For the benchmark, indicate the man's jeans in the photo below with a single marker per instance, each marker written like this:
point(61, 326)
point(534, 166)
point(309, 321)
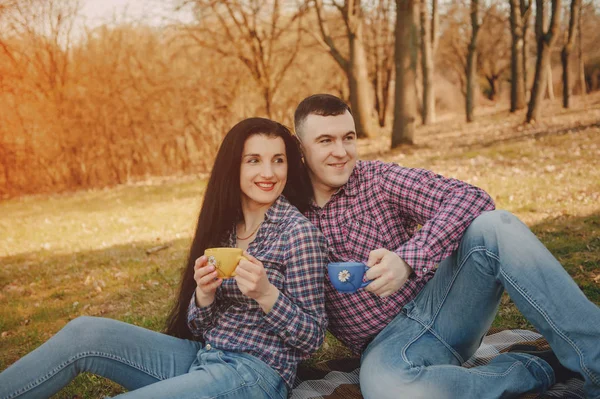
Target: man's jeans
point(418, 355)
point(147, 363)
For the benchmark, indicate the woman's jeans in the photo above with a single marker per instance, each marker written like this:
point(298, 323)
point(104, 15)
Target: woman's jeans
point(147, 363)
point(418, 355)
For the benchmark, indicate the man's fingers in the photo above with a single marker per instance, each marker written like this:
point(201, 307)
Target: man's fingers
point(375, 256)
point(375, 271)
point(376, 286)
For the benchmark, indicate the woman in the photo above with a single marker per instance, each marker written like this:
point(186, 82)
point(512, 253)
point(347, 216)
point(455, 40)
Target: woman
point(241, 337)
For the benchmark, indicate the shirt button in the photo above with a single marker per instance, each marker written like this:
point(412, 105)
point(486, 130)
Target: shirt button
point(208, 347)
point(424, 270)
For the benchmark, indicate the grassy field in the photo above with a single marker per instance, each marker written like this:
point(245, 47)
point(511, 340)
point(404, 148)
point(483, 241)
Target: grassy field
point(85, 253)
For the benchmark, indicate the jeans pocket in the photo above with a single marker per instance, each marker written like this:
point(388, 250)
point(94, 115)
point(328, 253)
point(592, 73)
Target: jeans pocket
point(246, 374)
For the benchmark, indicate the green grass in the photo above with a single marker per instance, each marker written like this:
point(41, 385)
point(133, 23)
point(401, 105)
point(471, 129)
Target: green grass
point(84, 253)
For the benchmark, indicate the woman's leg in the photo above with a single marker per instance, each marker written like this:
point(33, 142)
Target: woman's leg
point(129, 355)
point(218, 374)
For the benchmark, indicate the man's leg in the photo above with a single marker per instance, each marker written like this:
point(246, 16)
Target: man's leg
point(129, 355)
point(452, 313)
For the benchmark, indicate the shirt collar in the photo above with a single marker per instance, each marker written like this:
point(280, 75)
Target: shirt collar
point(276, 213)
point(351, 187)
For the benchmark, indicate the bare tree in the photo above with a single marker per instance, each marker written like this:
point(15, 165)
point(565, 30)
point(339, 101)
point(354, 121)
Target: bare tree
point(519, 17)
point(566, 51)
point(405, 109)
point(429, 43)
point(545, 40)
point(472, 60)
point(354, 64)
point(493, 46)
point(256, 32)
point(381, 49)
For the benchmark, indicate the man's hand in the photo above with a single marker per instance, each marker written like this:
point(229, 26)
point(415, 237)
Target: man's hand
point(252, 280)
point(388, 271)
point(206, 282)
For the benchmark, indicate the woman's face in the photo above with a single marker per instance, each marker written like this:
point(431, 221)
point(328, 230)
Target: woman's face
point(263, 173)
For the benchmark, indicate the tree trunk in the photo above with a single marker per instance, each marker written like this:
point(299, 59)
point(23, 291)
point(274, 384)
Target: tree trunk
point(582, 83)
point(517, 82)
point(472, 61)
point(550, 85)
point(545, 40)
point(405, 109)
point(427, 66)
point(359, 85)
point(525, 13)
point(493, 82)
point(566, 51)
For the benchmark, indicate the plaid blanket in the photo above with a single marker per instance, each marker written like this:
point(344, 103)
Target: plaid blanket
point(338, 379)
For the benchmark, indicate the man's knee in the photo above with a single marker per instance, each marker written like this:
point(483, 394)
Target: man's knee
point(385, 377)
point(494, 224)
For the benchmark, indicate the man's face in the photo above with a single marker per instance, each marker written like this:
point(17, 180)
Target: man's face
point(329, 144)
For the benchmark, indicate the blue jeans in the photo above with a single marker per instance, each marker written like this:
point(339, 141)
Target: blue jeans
point(149, 364)
point(419, 354)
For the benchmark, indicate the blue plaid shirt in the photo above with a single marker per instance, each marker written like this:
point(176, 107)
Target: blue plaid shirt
point(294, 253)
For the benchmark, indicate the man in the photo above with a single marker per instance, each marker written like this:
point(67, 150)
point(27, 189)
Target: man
point(440, 257)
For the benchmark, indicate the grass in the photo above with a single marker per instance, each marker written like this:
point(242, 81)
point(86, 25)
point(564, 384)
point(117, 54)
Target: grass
point(84, 253)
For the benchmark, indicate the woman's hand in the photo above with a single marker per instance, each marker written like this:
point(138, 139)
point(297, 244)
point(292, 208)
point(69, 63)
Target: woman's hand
point(206, 282)
point(252, 280)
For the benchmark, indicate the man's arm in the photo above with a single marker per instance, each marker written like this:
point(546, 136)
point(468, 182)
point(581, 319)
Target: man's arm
point(443, 207)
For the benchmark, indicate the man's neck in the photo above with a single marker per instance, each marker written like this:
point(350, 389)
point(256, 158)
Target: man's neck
point(323, 194)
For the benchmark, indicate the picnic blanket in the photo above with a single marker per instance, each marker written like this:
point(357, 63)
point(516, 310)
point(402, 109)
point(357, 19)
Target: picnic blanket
point(338, 378)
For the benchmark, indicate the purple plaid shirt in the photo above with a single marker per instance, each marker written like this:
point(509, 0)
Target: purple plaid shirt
point(294, 253)
point(382, 206)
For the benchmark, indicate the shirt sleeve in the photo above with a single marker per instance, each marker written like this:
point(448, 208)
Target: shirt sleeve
point(443, 207)
point(200, 319)
point(298, 315)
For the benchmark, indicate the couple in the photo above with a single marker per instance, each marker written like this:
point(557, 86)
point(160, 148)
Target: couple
point(434, 294)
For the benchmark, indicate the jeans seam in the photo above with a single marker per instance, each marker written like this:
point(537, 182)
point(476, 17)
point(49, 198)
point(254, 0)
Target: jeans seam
point(446, 293)
point(72, 360)
point(488, 374)
point(551, 380)
point(409, 343)
point(548, 320)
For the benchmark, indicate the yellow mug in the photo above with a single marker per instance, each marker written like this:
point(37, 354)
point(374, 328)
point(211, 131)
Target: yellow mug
point(225, 260)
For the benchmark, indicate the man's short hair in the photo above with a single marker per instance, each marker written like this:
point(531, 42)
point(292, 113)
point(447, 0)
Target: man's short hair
point(318, 104)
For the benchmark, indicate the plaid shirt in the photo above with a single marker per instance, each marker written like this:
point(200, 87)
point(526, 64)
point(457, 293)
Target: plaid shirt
point(382, 206)
point(294, 253)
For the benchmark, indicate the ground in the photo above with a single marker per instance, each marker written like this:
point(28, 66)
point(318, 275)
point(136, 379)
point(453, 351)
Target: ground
point(98, 252)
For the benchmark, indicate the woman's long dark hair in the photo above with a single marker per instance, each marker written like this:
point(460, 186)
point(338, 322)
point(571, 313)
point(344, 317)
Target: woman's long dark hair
point(221, 207)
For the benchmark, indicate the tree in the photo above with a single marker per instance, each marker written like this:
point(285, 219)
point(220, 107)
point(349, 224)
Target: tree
point(519, 18)
point(354, 64)
point(472, 60)
point(545, 40)
point(493, 47)
point(566, 51)
point(405, 58)
point(256, 32)
point(381, 49)
point(429, 43)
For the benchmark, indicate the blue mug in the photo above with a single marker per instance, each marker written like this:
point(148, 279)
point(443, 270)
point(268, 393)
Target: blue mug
point(347, 276)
